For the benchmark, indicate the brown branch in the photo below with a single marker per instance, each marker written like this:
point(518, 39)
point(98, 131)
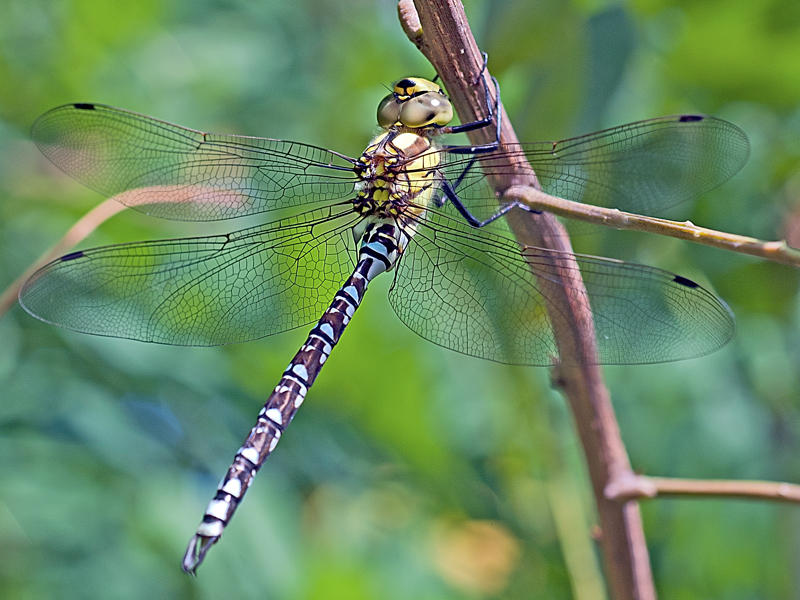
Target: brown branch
point(444, 37)
point(778, 252)
point(82, 228)
point(643, 488)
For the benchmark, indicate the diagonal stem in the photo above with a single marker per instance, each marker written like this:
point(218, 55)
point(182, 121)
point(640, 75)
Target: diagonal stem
point(779, 252)
point(642, 487)
point(82, 228)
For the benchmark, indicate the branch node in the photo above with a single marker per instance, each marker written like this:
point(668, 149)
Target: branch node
point(629, 486)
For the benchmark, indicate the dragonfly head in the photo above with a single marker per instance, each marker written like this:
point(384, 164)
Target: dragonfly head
point(415, 103)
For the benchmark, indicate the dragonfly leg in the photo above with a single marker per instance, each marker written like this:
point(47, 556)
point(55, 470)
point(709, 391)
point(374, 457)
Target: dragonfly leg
point(487, 120)
point(493, 109)
point(483, 68)
point(451, 194)
point(442, 194)
point(448, 191)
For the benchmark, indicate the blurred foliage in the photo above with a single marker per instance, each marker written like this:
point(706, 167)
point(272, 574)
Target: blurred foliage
point(411, 472)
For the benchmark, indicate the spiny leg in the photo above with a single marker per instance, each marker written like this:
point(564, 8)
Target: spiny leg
point(451, 195)
point(448, 189)
point(449, 192)
point(493, 110)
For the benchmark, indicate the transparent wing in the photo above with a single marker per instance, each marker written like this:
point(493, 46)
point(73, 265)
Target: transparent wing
point(641, 167)
point(473, 292)
point(177, 173)
point(200, 291)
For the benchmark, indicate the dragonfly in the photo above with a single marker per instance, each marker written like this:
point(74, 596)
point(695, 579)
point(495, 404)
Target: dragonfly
point(409, 205)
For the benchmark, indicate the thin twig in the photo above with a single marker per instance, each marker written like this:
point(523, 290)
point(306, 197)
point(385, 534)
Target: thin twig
point(642, 487)
point(778, 252)
point(444, 37)
point(82, 228)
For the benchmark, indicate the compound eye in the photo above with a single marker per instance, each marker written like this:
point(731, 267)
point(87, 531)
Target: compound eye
point(389, 111)
point(429, 108)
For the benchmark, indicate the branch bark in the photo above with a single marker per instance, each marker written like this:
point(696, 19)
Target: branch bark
point(643, 488)
point(779, 251)
point(443, 35)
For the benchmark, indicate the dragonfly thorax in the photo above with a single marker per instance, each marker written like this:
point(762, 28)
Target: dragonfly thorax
point(398, 175)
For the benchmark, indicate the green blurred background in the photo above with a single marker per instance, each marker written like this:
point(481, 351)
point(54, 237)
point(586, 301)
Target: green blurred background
point(411, 471)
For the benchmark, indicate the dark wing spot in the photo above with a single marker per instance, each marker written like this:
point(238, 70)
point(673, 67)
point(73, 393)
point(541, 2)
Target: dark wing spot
point(691, 118)
point(82, 106)
point(683, 281)
point(71, 256)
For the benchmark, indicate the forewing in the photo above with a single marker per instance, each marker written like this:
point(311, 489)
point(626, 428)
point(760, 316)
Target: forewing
point(200, 291)
point(641, 167)
point(473, 292)
point(177, 173)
